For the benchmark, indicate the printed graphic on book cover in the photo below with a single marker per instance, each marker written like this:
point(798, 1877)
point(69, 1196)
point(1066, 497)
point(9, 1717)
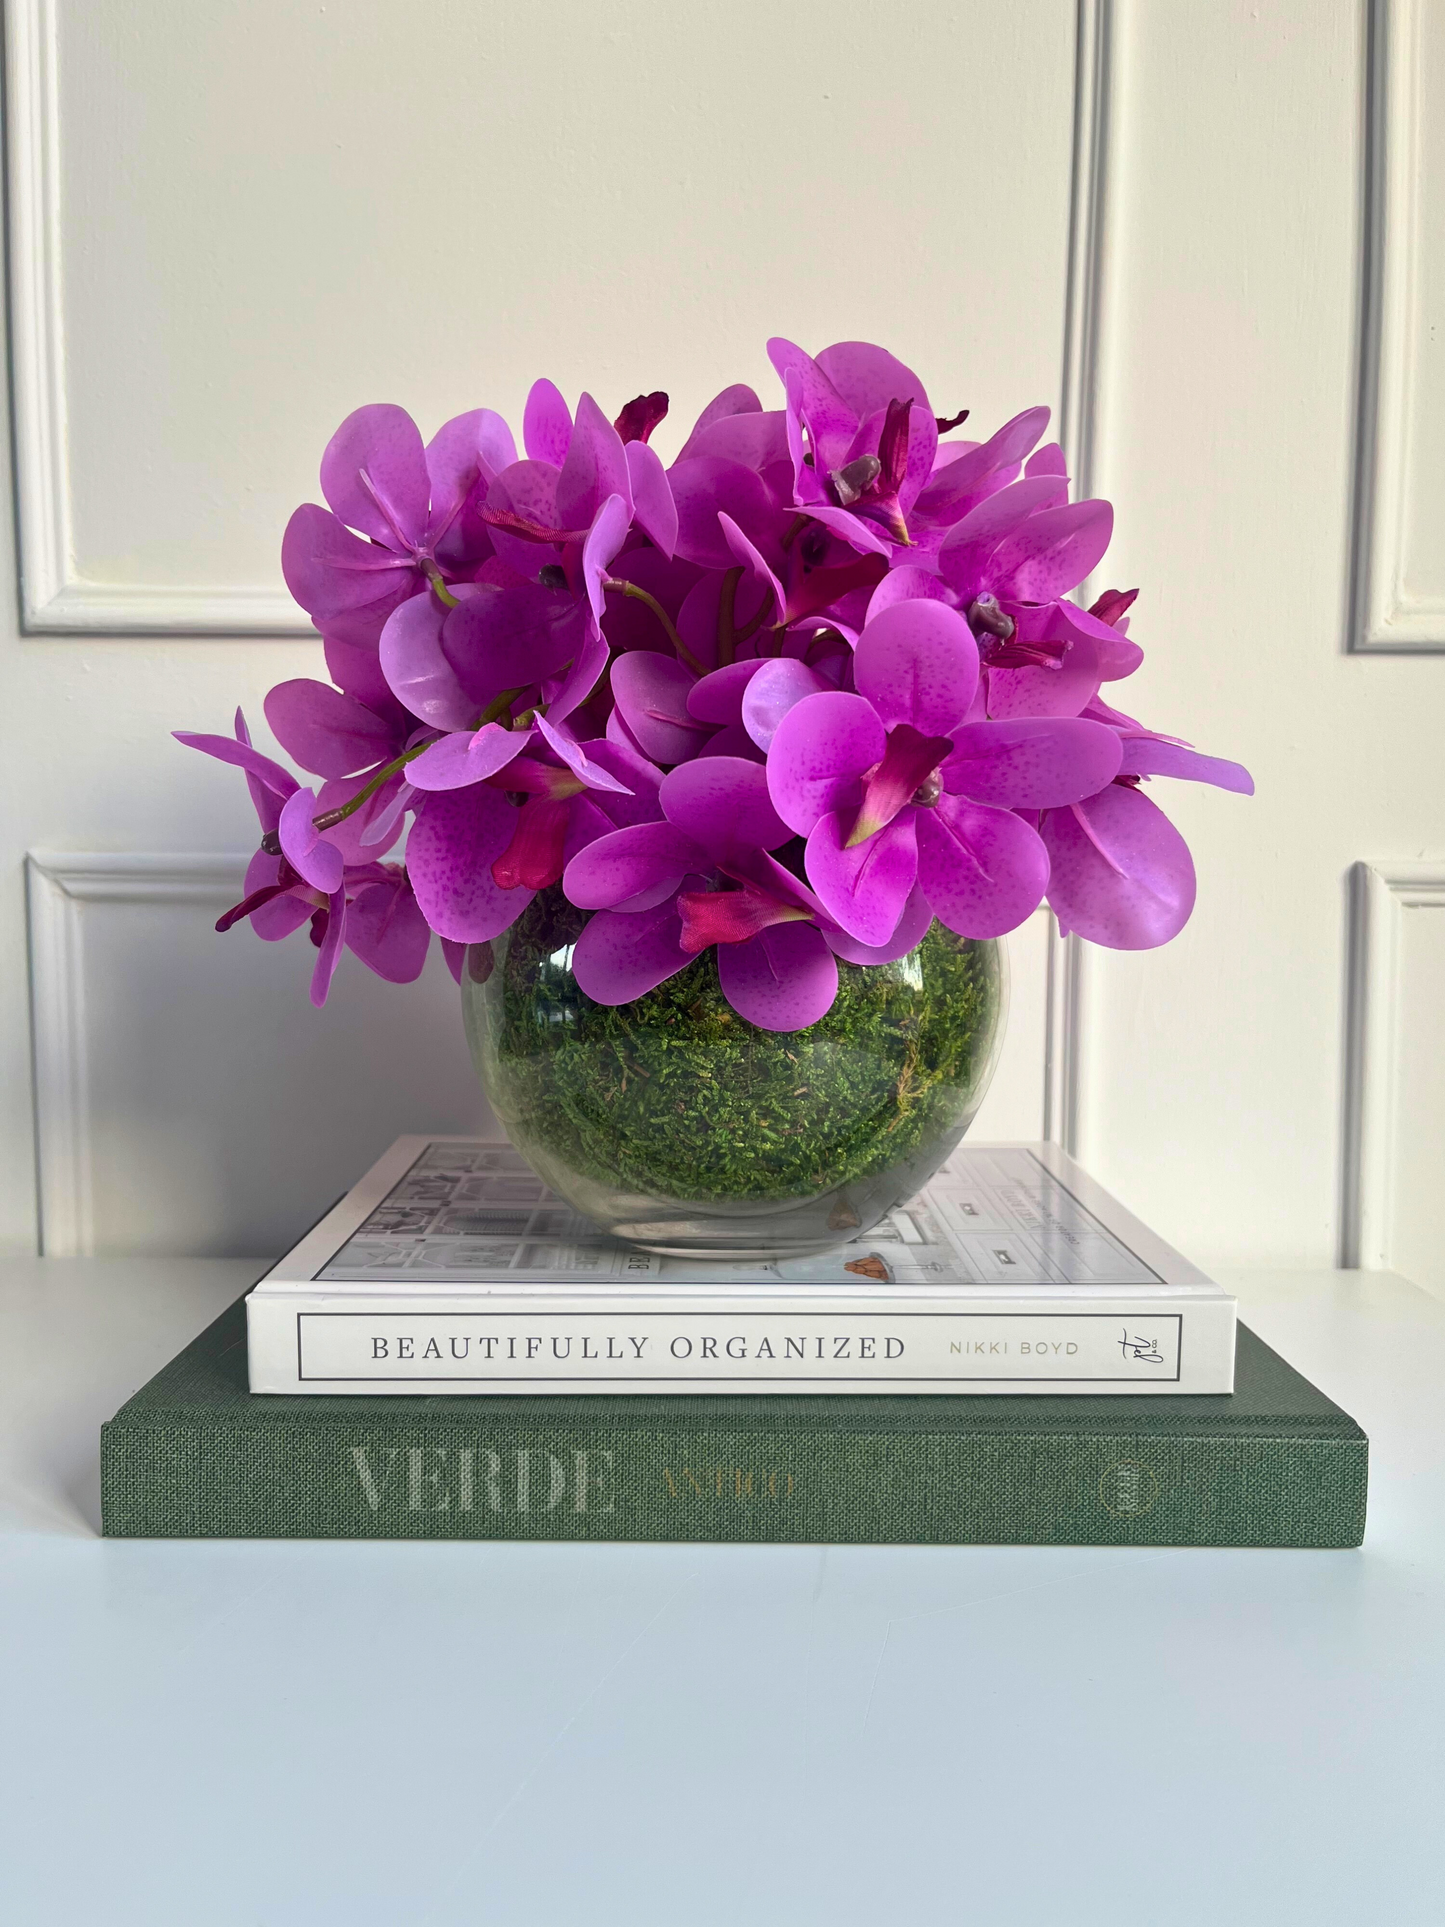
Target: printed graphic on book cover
point(469, 1211)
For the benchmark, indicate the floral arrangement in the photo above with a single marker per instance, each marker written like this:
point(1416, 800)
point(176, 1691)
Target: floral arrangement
point(816, 684)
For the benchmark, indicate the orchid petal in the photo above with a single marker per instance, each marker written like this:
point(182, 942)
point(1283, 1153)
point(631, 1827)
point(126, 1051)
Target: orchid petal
point(304, 848)
point(1121, 873)
point(546, 424)
point(818, 757)
point(757, 439)
point(582, 678)
point(1053, 551)
point(906, 584)
point(327, 732)
point(356, 671)
point(718, 698)
point(722, 803)
point(416, 667)
point(383, 827)
point(764, 579)
point(620, 957)
point(1152, 756)
point(964, 558)
point(950, 490)
point(864, 889)
point(983, 870)
point(509, 638)
point(454, 841)
point(527, 489)
point(812, 399)
point(1031, 764)
point(917, 663)
point(596, 467)
point(342, 582)
point(868, 378)
point(376, 819)
point(780, 685)
point(276, 919)
point(454, 762)
point(737, 400)
point(629, 862)
point(634, 797)
point(386, 929)
point(605, 537)
point(651, 694)
point(732, 740)
point(477, 444)
point(564, 744)
point(701, 488)
point(1050, 460)
point(279, 782)
point(913, 926)
point(329, 954)
point(586, 822)
point(382, 444)
point(653, 506)
point(784, 979)
point(860, 534)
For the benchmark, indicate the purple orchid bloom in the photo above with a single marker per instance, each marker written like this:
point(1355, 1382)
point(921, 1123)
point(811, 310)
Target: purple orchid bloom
point(666, 891)
point(892, 787)
point(862, 437)
point(314, 874)
point(1121, 874)
point(396, 515)
point(822, 680)
point(576, 793)
point(645, 881)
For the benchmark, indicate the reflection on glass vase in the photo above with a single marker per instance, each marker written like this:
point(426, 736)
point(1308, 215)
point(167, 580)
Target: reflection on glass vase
point(676, 1124)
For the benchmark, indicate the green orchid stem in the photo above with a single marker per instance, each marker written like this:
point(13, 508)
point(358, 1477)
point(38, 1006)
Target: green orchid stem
point(499, 709)
point(439, 587)
point(727, 602)
point(751, 628)
point(618, 587)
point(328, 819)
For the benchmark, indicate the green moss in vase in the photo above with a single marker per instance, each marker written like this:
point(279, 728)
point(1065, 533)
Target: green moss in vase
point(678, 1097)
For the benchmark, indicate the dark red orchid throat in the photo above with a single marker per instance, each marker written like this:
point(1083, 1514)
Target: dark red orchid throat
point(999, 644)
point(1112, 604)
point(732, 916)
point(535, 857)
point(870, 483)
point(641, 416)
point(908, 774)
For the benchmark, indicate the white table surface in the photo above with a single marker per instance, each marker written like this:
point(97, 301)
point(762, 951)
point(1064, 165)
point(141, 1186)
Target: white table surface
point(269, 1733)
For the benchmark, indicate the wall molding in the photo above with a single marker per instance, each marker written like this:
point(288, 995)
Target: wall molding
point(54, 598)
point(58, 886)
point(1078, 417)
point(1383, 617)
point(1380, 896)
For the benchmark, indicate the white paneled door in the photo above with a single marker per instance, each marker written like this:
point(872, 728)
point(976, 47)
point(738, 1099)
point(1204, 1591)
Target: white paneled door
point(1203, 232)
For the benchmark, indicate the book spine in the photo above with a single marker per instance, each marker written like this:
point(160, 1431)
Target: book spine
point(432, 1478)
point(650, 1348)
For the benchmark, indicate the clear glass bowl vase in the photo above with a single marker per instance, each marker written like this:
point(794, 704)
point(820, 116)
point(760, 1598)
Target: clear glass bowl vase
point(677, 1125)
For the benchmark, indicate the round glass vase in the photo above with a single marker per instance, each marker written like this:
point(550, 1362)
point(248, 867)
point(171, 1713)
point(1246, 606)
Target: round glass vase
point(674, 1123)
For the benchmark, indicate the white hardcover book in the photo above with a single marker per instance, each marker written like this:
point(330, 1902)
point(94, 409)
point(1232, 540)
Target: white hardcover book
point(451, 1268)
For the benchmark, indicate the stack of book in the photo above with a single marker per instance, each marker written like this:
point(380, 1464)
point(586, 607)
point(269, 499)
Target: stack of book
point(1011, 1358)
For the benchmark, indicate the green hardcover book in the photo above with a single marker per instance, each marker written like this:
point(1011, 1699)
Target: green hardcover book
point(195, 1455)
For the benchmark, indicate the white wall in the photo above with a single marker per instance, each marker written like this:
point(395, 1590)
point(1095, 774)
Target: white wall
point(230, 226)
point(1218, 1096)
